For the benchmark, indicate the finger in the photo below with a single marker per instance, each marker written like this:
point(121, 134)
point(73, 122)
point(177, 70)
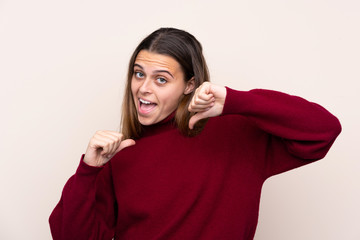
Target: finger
point(115, 136)
point(97, 143)
point(205, 88)
point(204, 93)
point(199, 104)
point(115, 144)
point(200, 108)
point(124, 144)
point(108, 149)
point(198, 101)
point(112, 141)
point(112, 148)
point(194, 119)
point(105, 150)
point(104, 142)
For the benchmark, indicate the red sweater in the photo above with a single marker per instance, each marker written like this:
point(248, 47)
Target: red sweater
point(169, 186)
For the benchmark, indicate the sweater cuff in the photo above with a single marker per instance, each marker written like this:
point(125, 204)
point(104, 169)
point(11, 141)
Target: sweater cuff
point(84, 169)
point(236, 101)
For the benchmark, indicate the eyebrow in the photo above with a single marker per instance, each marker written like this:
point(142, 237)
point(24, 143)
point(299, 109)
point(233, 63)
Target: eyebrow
point(157, 71)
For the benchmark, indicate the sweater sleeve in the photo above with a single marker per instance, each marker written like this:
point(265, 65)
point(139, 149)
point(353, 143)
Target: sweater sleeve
point(87, 206)
point(299, 130)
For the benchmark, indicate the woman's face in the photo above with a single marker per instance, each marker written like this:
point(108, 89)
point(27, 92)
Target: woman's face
point(157, 86)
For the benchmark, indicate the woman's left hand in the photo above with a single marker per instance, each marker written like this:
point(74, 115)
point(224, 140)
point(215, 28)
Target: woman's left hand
point(208, 101)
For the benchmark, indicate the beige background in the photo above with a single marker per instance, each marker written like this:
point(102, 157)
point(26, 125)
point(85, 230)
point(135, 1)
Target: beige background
point(62, 71)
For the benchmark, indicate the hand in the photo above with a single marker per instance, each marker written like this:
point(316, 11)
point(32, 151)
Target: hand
point(103, 146)
point(208, 101)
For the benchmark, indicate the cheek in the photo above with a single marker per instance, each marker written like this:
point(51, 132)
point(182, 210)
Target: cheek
point(133, 87)
point(172, 98)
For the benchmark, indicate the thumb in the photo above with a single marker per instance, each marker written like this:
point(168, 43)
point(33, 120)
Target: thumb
point(197, 117)
point(124, 144)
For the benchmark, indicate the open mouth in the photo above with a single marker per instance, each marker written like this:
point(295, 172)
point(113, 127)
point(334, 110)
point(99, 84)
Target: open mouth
point(146, 106)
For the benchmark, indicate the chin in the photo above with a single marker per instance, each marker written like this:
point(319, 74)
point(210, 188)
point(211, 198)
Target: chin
point(146, 122)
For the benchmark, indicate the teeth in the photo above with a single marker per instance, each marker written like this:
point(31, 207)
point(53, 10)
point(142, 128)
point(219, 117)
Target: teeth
point(143, 101)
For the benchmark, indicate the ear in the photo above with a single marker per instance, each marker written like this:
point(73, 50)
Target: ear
point(190, 85)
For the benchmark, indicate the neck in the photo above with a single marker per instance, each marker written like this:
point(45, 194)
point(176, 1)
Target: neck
point(168, 122)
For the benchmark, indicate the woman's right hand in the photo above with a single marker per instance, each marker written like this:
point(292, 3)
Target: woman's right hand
point(103, 146)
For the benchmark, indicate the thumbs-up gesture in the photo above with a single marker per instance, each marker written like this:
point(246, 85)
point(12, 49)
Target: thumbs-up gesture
point(103, 146)
point(208, 101)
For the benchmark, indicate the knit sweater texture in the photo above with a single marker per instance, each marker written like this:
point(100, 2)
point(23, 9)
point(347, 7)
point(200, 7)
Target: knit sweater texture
point(172, 187)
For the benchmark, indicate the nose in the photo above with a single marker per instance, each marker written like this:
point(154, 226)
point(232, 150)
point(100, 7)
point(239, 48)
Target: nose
point(145, 86)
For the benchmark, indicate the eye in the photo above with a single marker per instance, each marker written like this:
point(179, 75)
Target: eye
point(161, 80)
point(139, 74)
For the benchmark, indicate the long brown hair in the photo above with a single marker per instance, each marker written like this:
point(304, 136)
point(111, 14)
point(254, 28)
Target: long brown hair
point(187, 51)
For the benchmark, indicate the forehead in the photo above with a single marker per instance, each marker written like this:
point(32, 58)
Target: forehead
point(151, 59)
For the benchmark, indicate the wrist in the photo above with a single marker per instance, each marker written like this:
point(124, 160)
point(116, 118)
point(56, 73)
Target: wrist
point(90, 163)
